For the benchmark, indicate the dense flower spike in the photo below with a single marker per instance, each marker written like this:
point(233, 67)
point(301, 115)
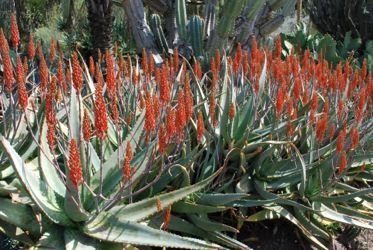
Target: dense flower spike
point(87, 129)
point(188, 99)
point(127, 173)
point(170, 123)
point(110, 76)
point(355, 138)
point(200, 127)
point(14, 33)
point(149, 114)
point(91, 66)
point(342, 162)
point(164, 88)
point(52, 50)
point(232, 111)
point(101, 119)
point(162, 139)
point(30, 48)
point(21, 81)
point(341, 139)
point(77, 75)
point(180, 114)
point(197, 70)
point(75, 169)
point(280, 102)
point(61, 76)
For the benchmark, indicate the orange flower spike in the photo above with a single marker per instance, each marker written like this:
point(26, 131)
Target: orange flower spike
point(77, 75)
point(212, 108)
point(321, 126)
point(164, 88)
point(355, 138)
point(87, 127)
point(156, 107)
point(232, 111)
point(101, 119)
point(198, 70)
point(342, 162)
point(245, 64)
point(331, 132)
point(91, 66)
point(22, 93)
point(14, 33)
point(297, 88)
point(30, 48)
point(61, 76)
point(51, 136)
point(280, 101)
point(25, 66)
point(340, 109)
point(110, 76)
point(162, 140)
point(200, 127)
point(341, 139)
point(170, 122)
point(44, 73)
point(3, 42)
point(166, 218)
point(364, 70)
point(180, 114)
point(278, 47)
point(149, 115)
point(127, 163)
point(75, 169)
point(176, 59)
point(115, 112)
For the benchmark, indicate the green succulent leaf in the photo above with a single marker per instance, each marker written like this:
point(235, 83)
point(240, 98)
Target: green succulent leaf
point(116, 229)
point(37, 188)
point(76, 240)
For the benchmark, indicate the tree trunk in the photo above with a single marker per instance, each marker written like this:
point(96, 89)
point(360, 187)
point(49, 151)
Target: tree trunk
point(140, 30)
point(100, 20)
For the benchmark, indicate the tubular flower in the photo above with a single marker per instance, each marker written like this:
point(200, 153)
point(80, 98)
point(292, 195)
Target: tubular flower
point(321, 126)
point(51, 136)
point(14, 33)
point(127, 163)
point(212, 108)
point(101, 119)
point(278, 48)
point(176, 59)
point(149, 114)
point(4, 47)
point(87, 129)
point(342, 162)
point(164, 88)
point(61, 76)
point(331, 132)
point(232, 111)
point(30, 48)
point(91, 66)
point(280, 101)
point(162, 139)
point(75, 168)
point(355, 138)
point(77, 75)
point(166, 218)
point(197, 70)
point(156, 107)
point(22, 93)
point(297, 88)
point(170, 123)
point(44, 73)
point(200, 127)
point(110, 75)
point(341, 139)
point(115, 112)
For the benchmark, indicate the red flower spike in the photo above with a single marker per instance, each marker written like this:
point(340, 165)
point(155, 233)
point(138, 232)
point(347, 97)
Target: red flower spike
point(321, 126)
point(110, 76)
point(278, 47)
point(289, 129)
point(91, 66)
point(8, 67)
point(22, 93)
point(61, 76)
point(162, 139)
point(77, 75)
point(44, 73)
point(75, 169)
point(170, 123)
point(364, 70)
point(149, 114)
point(341, 139)
point(200, 127)
point(164, 88)
point(4, 48)
point(188, 99)
point(218, 60)
point(51, 136)
point(156, 107)
point(341, 109)
point(355, 138)
point(101, 119)
point(331, 132)
point(39, 50)
point(87, 128)
point(212, 108)
point(14, 33)
point(232, 111)
point(180, 114)
point(176, 59)
point(197, 70)
point(166, 218)
point(342, 162)
point(280, 101)
point(127, 163)
point(297, 88)
point(30, 48)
